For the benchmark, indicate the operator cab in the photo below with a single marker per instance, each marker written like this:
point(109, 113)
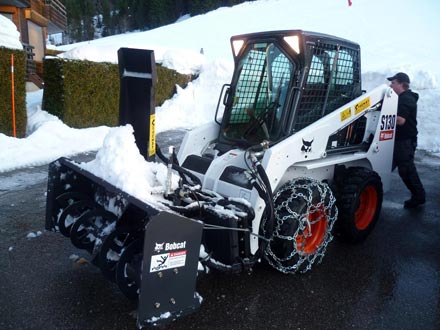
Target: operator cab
point(283, 81)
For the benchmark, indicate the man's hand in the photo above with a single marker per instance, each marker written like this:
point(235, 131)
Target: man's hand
point(400, 121)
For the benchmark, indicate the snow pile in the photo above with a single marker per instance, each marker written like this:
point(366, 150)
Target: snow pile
point(9, 36)
point(50, 139)
point(120, 163)
point(181, 60)
point(196, 104)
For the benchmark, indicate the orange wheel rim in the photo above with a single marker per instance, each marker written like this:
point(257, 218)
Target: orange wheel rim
point(311, 239)
point(367, 208)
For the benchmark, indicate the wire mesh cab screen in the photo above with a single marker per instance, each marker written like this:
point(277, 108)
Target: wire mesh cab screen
point(332, 81)
point(260, 94)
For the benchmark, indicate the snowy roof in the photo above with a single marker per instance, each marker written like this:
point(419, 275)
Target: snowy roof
point(9, 36)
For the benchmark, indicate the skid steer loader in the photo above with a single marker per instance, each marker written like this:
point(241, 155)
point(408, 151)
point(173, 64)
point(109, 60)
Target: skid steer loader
point(297, 153)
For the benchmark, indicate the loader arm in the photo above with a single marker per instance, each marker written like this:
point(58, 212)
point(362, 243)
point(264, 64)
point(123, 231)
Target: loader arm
point(374, 150)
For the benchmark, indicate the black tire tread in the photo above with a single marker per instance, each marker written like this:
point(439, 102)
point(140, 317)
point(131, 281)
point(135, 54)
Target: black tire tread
point(347, 193)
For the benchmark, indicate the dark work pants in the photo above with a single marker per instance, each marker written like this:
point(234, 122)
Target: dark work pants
point(404, 160)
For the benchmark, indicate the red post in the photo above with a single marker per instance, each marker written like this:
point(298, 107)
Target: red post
point(13, 96)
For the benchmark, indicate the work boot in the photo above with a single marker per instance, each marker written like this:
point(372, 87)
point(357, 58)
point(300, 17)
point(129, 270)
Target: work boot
point(413, 203)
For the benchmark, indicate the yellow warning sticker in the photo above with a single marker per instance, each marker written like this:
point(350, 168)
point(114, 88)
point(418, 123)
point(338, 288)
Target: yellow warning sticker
point(362, 105)
point(345, 114)
point(152, 143)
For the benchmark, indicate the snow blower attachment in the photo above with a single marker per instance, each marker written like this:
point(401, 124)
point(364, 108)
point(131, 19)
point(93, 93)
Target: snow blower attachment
point(296, 153)
point(151, 254)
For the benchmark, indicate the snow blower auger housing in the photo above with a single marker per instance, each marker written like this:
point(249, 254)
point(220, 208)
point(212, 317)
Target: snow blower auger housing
point(296, 153)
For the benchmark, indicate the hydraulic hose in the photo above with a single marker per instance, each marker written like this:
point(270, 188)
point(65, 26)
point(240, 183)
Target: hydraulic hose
point(268, 199)
point(264, 190)
point(183, 172)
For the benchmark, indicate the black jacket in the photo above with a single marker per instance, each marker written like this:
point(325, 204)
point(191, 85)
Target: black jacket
point(407, 108)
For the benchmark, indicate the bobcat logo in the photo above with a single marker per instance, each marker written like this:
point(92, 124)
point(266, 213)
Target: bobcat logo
point(307, 146)
point(158, 247)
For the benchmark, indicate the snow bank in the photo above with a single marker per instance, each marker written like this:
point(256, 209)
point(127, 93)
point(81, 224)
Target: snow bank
point(9, 36)
point(48, 139)
point(196, 104)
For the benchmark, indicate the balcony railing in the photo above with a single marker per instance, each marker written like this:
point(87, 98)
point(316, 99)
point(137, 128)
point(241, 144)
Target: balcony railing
point(55, 12)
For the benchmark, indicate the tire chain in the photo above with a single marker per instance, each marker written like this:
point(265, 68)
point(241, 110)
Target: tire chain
point(301, 188)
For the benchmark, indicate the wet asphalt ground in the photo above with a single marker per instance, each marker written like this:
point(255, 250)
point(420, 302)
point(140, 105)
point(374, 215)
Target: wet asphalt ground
point(391, 281)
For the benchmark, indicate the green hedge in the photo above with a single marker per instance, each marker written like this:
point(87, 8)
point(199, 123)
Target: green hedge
point(6, 93)
point(86, 94)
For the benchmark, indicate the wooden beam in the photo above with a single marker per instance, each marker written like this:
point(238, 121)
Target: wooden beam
point(33, 16)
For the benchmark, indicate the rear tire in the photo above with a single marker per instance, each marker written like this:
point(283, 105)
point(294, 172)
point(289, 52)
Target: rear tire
point(359, 201)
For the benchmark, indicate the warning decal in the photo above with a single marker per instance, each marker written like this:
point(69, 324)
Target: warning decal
point(165, 261)
point(346, 114)
point(362, 105)
point(152, 140)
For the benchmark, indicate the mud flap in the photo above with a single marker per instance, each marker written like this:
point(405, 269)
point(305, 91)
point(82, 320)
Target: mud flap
point(169, 269)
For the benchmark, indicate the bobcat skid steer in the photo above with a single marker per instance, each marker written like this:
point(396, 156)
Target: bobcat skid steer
point(296, 153)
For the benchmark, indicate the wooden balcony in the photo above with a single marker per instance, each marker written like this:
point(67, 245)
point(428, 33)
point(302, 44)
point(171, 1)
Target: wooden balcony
point(52, 10)
point(55, 12)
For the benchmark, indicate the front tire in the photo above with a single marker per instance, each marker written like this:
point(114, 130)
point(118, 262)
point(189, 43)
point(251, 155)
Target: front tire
point(359, 201)
point(305, 212)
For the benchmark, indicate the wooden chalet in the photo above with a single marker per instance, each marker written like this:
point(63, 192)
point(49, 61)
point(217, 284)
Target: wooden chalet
point(35, 20)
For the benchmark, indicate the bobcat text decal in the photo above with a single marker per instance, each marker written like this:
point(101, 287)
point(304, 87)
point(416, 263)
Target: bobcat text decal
point(174, 256)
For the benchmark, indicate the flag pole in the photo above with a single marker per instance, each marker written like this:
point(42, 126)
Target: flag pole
point(13, 96)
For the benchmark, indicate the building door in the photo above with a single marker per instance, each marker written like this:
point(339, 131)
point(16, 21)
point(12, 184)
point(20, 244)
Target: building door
point(36, 39)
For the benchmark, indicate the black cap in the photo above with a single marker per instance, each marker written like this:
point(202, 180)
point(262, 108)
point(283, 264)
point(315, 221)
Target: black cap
point(400, 77)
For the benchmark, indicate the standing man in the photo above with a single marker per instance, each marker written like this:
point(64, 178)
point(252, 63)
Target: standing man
point(406, 139)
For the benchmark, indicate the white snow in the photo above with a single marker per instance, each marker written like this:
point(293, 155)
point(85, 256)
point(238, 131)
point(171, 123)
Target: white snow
point(394, 35)
point(162, 316)
point(33, 235)
point(119, 162)
point(74, 257)
point(9, 36)
point(48, 139)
